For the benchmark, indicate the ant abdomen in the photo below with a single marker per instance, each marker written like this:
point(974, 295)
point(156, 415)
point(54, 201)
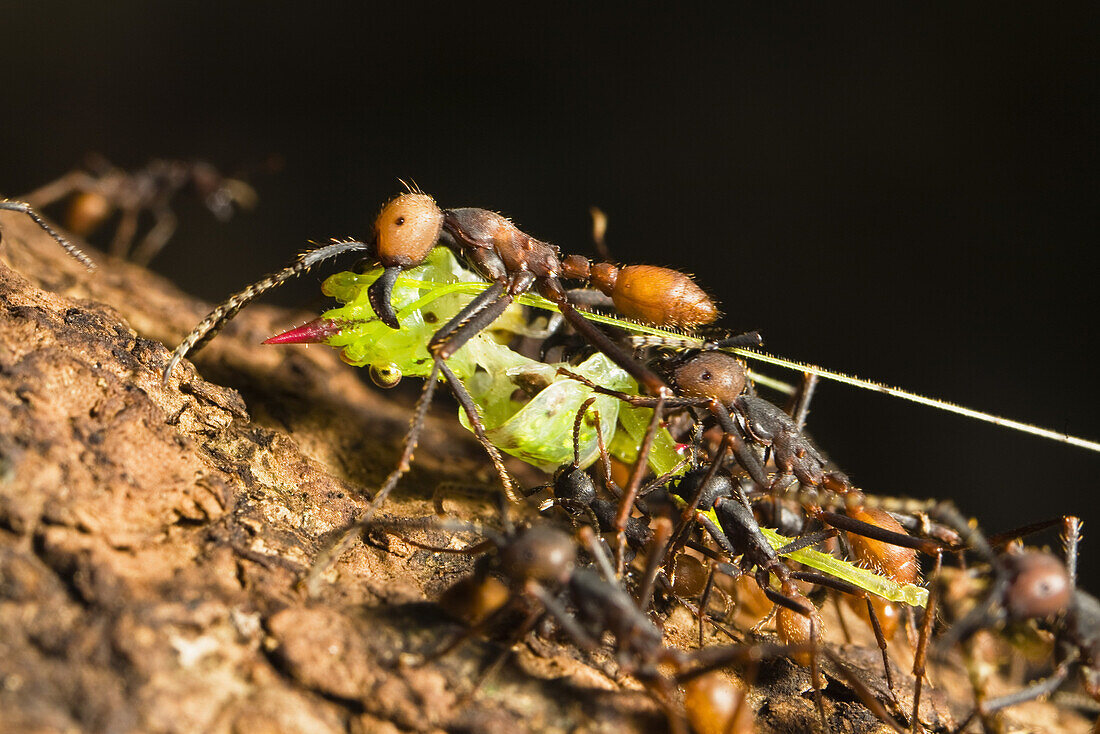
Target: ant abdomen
point(888, 614)
point(87, 210)
point(655, 295)
point(885, 559)
point(715, 705)
point(794, 628)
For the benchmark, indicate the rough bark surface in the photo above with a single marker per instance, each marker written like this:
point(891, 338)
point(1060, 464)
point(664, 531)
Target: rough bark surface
point(152, 537)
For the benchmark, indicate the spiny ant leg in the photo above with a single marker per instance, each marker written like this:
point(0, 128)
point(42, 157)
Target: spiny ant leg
point(473, 318)
point(800, 408)
point(73, 250)
point(1071, 537)
point(646, 378)
point(464, 399)
point(412, 438)
point(922, 645)
point(216, 319)
point(641, 464)
point(662, 533)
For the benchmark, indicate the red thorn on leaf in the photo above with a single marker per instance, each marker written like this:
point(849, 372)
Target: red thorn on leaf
point(317, 331)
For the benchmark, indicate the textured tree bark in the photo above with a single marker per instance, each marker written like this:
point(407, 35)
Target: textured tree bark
point(152, 537)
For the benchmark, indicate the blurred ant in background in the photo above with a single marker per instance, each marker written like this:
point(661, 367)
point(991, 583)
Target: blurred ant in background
point(99, 190)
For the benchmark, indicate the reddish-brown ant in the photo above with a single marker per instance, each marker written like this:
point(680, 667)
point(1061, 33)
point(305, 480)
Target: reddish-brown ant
point(406, 230)
point(100, 189)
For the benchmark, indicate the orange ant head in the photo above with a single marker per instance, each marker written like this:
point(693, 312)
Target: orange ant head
point(712, 375)
point(405, 231)
point(1040, 586)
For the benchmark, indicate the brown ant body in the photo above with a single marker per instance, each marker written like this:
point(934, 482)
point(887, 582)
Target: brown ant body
point(102, 189)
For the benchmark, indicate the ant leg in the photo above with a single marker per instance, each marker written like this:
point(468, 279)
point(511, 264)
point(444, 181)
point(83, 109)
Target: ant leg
point(157, 238)
point(630, 492)
point(467, 402)
point(647, 379)
point(874, 532)
point(599, 555)
point(556, 610)
point(800, 405)
point(351, 532)
point(690, 509)
point(839, 609)
point(1000, 540)
point(520, 632)
point(876, 626)
point(1037, 690)
point(216, 319)
point(704, 600)
point(73, 250)
point(1071, 536)
point(662, 533)
point(806, 541)
point(922, 644)
point(473, 318)
point(124, 234)
point(72, 181)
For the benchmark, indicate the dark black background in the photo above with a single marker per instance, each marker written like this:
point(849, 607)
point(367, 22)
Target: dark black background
point(907, 195)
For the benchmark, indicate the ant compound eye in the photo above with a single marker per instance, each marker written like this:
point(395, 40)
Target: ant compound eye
point(386, 376)
point(1040, 587)
point(407, 229)
point(712, 375)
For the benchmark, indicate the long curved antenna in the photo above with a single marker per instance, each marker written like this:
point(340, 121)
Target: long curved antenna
point(213, 323)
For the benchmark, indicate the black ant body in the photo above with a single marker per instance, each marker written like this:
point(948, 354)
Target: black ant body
point(103, 189)
point(541, 569)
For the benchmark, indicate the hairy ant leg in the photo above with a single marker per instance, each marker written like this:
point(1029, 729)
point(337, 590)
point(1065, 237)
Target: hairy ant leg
point(69, 247)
